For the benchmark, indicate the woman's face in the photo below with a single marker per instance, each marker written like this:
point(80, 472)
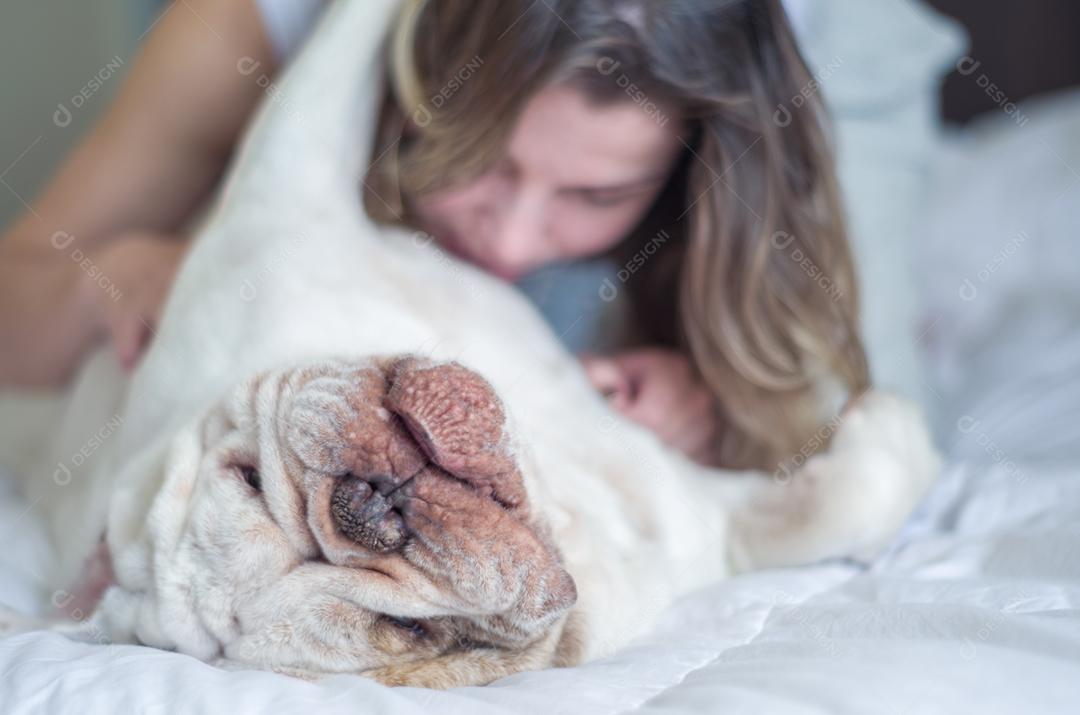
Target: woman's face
point(576, 177)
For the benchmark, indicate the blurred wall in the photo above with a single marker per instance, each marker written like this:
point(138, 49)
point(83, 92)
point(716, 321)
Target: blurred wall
point(1023, 48)
point(60, 62)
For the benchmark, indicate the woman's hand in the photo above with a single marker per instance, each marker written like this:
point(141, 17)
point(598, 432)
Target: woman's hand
point(659, 389)
point(134, 274)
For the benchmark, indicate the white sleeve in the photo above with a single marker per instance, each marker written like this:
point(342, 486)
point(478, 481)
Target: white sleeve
point(288, 22)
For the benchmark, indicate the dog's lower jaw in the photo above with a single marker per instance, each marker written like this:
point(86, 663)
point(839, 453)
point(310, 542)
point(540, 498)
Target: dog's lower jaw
point(482, 666)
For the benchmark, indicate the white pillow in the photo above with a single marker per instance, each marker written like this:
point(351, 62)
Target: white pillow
point(880, 64)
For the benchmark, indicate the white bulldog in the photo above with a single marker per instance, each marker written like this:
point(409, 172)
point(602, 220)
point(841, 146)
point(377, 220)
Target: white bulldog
point(347, 452)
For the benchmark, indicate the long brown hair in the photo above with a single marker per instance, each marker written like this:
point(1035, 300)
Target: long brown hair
point(754, 280)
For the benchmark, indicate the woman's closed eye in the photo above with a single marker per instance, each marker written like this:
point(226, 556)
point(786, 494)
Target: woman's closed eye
point(604, 199)
point(617, 194)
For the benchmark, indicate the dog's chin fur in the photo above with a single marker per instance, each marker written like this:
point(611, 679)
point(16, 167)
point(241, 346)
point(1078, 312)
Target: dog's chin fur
point(262, 576)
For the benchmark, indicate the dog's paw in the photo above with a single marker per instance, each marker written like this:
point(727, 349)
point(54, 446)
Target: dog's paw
point(879, 464)
point(893, 426)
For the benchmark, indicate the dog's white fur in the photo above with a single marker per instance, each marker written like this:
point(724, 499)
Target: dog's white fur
point(289, 280)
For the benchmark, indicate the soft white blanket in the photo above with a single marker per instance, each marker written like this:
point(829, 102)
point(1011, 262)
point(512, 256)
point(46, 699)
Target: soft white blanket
point(978, 613)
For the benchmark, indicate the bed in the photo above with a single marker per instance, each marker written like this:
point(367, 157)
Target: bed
point(975, 607)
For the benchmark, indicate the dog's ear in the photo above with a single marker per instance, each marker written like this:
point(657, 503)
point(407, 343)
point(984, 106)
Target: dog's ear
point(150, 499)
point(147, 516)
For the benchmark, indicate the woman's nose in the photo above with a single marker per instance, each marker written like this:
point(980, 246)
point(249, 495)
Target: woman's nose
point(517, 239)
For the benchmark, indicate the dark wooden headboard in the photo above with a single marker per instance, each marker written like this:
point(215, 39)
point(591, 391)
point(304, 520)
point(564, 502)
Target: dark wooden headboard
point(1026, 47)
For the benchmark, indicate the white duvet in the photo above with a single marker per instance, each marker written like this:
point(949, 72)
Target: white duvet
point(978, 610)
point(975, 609)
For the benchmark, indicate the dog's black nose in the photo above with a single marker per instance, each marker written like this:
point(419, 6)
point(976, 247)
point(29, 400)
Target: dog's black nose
point(365, 515)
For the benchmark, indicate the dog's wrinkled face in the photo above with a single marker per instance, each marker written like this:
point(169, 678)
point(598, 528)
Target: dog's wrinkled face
point(368, 517)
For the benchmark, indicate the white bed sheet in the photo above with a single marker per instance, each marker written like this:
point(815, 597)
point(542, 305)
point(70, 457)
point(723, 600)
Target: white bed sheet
point(976, 608)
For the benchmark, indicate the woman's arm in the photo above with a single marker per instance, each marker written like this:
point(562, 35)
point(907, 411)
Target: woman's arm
point(139, 175)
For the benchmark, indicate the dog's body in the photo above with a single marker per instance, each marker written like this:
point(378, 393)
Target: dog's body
point(308, 308)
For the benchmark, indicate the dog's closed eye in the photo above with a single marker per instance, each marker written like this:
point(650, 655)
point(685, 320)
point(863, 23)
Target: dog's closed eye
point(250, 475)
point(409, 625)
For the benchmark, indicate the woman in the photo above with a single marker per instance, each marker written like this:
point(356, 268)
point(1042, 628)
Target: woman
point(664, 134)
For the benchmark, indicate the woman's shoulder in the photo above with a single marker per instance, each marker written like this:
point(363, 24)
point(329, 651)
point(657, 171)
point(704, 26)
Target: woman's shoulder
point(288, 22)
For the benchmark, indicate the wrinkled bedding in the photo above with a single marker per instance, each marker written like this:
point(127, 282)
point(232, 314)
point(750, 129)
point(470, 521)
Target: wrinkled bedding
point(976, 608)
